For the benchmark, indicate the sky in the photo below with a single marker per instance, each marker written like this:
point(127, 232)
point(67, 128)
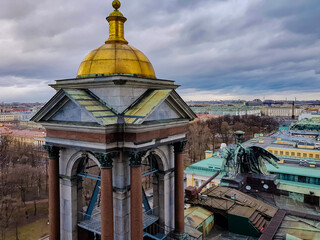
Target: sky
point(214, 49)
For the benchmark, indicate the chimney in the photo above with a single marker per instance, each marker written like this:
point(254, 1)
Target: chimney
point(208, 154)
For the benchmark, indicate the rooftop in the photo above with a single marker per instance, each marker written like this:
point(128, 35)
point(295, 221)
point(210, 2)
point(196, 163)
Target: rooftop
point(294, 170)
point(22, 133)
point(206, 167)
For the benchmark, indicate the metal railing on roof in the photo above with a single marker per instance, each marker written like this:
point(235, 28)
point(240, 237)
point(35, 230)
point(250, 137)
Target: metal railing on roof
point(92, 223)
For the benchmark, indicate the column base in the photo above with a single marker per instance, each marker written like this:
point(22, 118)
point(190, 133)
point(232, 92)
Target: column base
point(180, 236)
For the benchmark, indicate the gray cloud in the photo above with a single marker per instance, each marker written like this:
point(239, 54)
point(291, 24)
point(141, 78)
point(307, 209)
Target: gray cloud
point(253, 45)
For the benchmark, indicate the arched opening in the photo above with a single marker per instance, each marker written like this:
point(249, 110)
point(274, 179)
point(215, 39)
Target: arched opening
point(155, 201)
point(88, 173)
point(84, 170)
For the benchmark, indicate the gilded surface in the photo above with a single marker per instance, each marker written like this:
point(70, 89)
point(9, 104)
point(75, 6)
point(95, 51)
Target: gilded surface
point(137, 113)
point(116, 56)
point(92, 105)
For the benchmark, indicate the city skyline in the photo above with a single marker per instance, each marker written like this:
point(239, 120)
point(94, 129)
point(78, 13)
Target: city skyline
point(214, 49)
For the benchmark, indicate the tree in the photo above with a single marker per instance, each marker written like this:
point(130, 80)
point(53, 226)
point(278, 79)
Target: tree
point(6, 212)
point(199, 137)
point(225, 132)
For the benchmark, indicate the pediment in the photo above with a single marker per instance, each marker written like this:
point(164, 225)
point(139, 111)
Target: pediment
point(158, 105)
point(163, 112)
point(71, 112)
point(76, 106)
point(81, 106)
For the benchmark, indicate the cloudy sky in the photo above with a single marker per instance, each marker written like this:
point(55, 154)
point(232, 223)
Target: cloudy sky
point(215, 49)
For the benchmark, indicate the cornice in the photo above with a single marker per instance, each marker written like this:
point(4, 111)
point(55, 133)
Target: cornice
point(113, 81)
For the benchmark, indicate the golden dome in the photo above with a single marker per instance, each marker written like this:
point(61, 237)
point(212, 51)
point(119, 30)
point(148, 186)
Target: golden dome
point(116, 56)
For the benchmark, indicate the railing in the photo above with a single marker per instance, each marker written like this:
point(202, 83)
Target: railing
point(150, 217)
point(169, 232)
point(153, 211)
point(93, 223)
point(90, 223)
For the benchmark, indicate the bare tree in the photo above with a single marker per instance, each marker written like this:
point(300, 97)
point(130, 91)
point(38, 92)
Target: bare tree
point(6, 212)
point(199, 138)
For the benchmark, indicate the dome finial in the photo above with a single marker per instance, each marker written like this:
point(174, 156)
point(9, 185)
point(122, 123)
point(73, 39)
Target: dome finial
point(116, 4)
point(116, 25)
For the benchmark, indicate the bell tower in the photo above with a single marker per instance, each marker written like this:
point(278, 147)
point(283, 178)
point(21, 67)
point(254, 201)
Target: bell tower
point(109, 130)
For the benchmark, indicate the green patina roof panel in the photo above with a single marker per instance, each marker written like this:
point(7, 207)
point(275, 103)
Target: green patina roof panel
point(136, 113)
point(98, 110)
point(206, 167)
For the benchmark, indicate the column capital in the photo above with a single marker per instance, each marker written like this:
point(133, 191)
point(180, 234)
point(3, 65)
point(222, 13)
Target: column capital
point(105, 159)
point(135, 158)
point(179, 146)
point(53, 151)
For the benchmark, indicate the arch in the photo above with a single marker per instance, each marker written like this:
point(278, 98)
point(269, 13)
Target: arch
point(74, 160)
point(161, 158)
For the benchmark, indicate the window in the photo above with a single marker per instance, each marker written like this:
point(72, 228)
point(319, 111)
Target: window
point(302, 179)
point(284, 176)
point(287, 153)
point(310, 155)
point(299, 154)
point(293, 154)
point(275, 152)
point(270, 151)
point(304, 155)
point(196, 183)
point(281, 152)
point(317, 155)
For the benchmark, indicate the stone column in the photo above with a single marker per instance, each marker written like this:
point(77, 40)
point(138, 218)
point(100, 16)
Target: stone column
point(136, 195)
point(179, 188)
point(107, 226)
point(121, 196)
point(54, 192)
point(69, 209)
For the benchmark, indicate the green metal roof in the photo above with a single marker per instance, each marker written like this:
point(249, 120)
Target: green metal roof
point(294, 170)
point(140, 109)
point(206, 167)
point(97, 109)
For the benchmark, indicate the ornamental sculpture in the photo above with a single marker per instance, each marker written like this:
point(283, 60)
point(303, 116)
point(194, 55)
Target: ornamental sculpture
point(240, 159)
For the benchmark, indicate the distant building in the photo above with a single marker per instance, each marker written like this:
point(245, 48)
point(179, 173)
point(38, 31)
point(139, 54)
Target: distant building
point(280, 111)
point(240, 110)
point(255, 102)
point(25, 116)
point(36, 138)
point(308, 123)
point(208, 116)
point(9, 117)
